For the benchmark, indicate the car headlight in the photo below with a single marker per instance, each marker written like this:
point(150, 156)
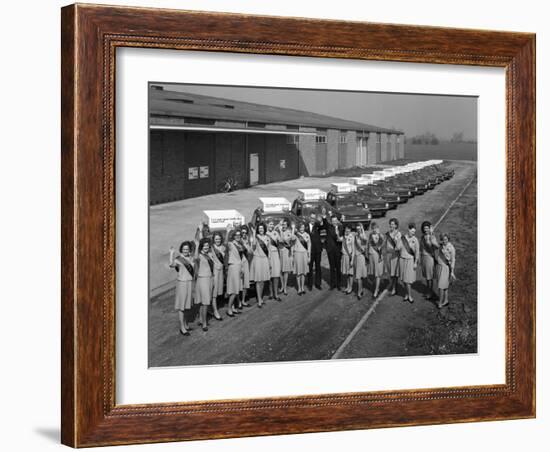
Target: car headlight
point(343, 218)
point(409, 193)
point(398, 198)
point(387, 205)
point(369, 216)
point(366, 206)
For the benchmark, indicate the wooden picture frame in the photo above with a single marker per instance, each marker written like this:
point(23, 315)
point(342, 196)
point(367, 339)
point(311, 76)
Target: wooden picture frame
point(90, 36)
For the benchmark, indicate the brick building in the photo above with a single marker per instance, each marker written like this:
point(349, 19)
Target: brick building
point(197, 142)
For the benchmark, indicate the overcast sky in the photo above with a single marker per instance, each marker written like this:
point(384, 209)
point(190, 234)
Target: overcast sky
point(412, 113)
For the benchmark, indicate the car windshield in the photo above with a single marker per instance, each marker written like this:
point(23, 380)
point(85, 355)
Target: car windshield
point(273, 217)
point(346, 203)
point(310, 205)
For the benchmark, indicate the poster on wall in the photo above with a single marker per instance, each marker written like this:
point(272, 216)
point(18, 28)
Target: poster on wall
point(203, 172)
point(193, 173)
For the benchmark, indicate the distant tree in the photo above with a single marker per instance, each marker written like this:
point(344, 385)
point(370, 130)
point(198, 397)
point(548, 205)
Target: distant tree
point(425, 138)
point(457, 137)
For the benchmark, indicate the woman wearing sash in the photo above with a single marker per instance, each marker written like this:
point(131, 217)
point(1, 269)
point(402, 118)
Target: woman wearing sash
point(445, 270)
point(285, 252)
point(302, 255)
point(274, 259)
point(393, 238)
point(245, 240)
point(259, 271)
point(205, 280)
point(376, 258)
point(185, 266)
point(361, 250)
point(218, 254)
point(409, 253)
point(235, 254)
point(348, 257)
point(428, 248)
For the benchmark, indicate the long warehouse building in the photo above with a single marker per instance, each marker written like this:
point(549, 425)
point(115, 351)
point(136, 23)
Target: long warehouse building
point(197, 142)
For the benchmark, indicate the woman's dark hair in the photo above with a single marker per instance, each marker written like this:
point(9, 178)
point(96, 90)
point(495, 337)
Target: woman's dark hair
point(217, 234)
point(394, 220)
point(412, 226)
point(445, 234)
point(285, 221)
point(203, 242)
point(347, 226)
point(424, 224)
point(232, 233)
point(300, 224)
point(373, 225)
point(244, 227)
point(262, 224)
point(188, 244)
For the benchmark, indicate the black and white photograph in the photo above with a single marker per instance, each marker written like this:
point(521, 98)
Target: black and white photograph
point(300, 225)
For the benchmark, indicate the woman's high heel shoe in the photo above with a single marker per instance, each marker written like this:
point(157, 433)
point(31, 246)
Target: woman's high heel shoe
point(186, 333)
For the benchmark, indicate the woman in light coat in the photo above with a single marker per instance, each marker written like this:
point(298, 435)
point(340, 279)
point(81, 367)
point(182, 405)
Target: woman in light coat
point(428, 249)
point(348, 257)
point(260, 271)
point(376, 256)
point(445, 270)
point(361, 258)
point(301, 252)
point(185, 266)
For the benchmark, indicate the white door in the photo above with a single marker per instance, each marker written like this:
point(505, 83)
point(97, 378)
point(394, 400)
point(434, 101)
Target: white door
point(361, 152)
point(254, 169)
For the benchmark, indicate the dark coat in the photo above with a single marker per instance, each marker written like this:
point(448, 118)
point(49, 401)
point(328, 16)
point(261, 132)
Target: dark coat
point(332, 243)
point(315, 235)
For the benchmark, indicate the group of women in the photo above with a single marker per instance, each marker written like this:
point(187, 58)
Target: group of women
point(216, 267)
point(398, 256)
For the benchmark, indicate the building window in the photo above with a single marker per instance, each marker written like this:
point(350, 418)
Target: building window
point(320, 139)
point(292, 139)
point(343, 138)
point(398, 139)
point(258, 125)
point(379, 138)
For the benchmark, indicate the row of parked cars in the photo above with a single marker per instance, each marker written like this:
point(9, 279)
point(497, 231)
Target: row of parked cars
point(362, 198)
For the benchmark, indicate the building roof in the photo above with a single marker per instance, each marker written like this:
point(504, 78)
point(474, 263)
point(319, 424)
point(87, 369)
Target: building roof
point(166, 104)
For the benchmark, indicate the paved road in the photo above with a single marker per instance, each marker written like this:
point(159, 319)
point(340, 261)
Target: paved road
point(316, 325)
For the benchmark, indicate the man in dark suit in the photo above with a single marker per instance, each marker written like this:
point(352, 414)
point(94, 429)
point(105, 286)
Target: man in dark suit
point(314, 230)
point(333, 245)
